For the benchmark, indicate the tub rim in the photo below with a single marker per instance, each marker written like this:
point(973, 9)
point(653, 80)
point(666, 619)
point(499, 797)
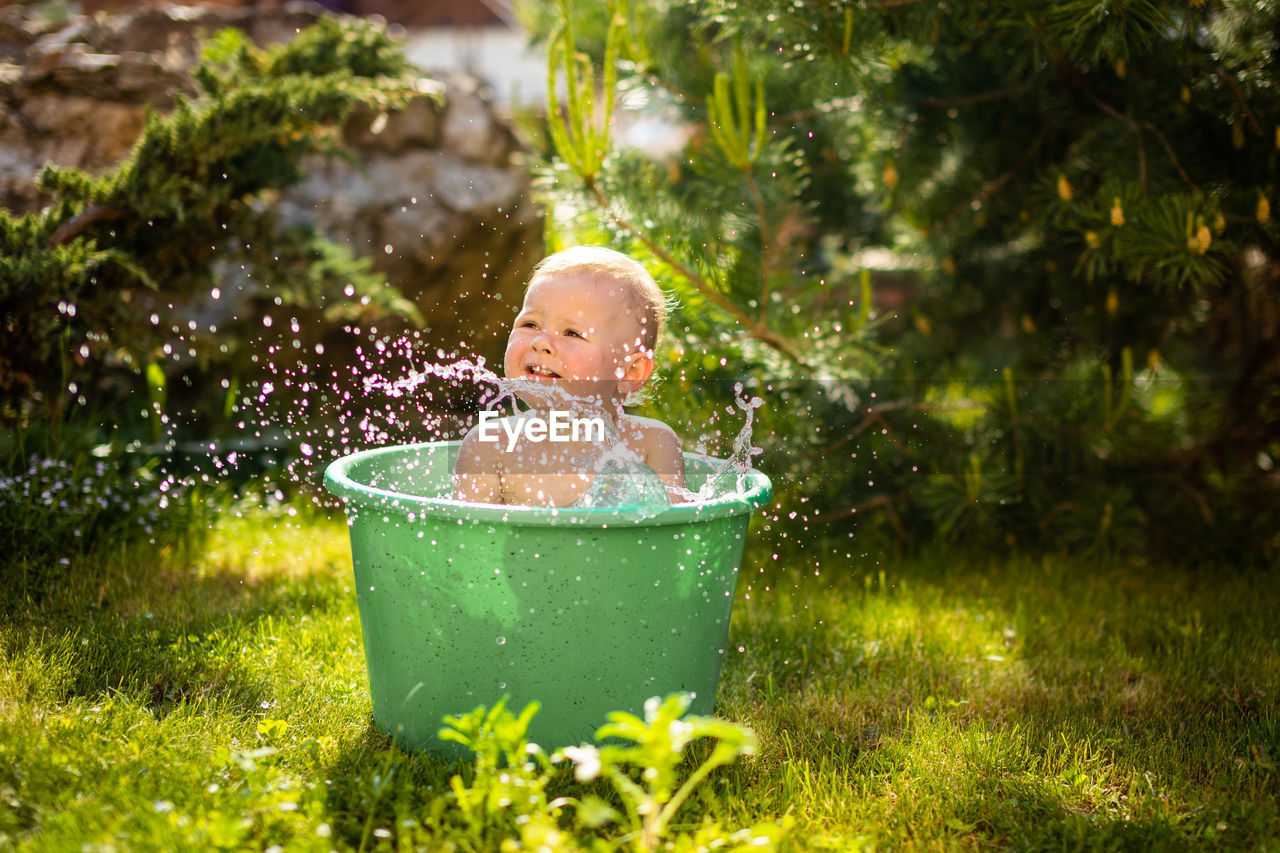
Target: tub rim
point(338, 481)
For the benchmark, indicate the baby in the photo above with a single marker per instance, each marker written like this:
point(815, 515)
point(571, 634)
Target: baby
point(582, 343)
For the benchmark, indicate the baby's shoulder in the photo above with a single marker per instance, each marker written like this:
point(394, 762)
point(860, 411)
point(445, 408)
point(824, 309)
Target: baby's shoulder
point(649, 432)
point(638, 423)
point(658, 444)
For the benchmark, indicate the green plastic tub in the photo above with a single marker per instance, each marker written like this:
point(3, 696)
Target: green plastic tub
point(585, 610)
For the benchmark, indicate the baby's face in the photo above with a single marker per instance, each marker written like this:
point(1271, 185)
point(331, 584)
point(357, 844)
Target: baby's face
point(580, 332)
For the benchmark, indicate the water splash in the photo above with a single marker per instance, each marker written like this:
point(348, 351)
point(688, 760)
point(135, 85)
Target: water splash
point(389, 393)
point(728, 477)
point(622, 480)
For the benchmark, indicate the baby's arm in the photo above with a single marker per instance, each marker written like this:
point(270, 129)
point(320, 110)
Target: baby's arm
point(663, 454)
point(475, 475)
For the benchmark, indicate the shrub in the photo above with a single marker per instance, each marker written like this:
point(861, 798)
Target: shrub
point(1069, 334)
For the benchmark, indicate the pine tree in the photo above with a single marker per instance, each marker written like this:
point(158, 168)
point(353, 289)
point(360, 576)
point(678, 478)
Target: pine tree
point(88, 284)
point(1078, 195)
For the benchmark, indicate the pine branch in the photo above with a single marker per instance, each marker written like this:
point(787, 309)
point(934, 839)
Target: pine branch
point(817, 111)
point(1234, 85)
point(1137, 127)
point(995, 185)
point(875, 415)
point(885, 502)
point(1173, 157)
point(886, 5)
point(78, 224)
point(767, 250)
point(755, 329)
point(968, 100)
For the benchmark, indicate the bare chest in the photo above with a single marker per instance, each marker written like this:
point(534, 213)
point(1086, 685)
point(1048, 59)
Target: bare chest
point(549, 474)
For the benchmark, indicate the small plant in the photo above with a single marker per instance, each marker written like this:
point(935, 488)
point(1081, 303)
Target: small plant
point(507, 794)
point(507, 797)
point(656, 750)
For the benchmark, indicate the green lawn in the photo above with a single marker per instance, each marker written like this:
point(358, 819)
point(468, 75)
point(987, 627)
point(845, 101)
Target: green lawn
point(170, 701)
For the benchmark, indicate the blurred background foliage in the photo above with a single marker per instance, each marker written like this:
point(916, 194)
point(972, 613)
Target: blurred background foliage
point(1005, 272)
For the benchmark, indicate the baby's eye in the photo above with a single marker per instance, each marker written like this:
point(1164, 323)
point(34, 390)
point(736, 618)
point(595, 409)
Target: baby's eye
point(527, 324)
point(573, 333)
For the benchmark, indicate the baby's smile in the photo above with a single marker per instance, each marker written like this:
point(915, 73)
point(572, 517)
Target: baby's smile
point(540, 371)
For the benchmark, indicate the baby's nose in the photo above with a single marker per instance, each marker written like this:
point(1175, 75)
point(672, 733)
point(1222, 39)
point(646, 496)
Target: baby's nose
point(542, 342)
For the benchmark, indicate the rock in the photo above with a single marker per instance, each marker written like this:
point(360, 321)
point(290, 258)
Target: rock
point(457, 237)
point(74, 130)
point(417, 125)
point(470, 127)
point(14, 41)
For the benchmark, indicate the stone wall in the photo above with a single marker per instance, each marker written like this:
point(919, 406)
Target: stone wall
point(436, 195)
point(412, 13)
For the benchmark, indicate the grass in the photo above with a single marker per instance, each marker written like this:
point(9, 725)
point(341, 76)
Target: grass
point(219, 701)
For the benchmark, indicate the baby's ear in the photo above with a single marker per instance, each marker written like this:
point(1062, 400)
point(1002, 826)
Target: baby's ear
point(638, 370)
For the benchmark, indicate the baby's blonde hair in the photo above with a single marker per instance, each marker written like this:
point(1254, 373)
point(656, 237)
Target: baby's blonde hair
point(597, 260)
